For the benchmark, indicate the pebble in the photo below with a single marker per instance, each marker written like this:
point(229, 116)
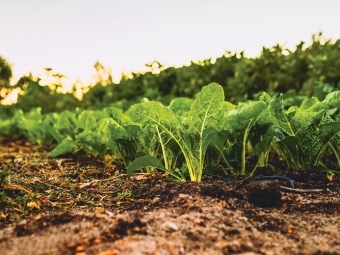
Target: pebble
point(171, 225)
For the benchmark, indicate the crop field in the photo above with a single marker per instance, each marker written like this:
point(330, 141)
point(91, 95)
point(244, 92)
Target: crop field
point(239, 156)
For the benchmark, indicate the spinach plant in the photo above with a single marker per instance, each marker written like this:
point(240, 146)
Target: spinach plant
point(304, 132)
point(192, 138)
point(240, 121)
point(122, 135)
point(86, 131)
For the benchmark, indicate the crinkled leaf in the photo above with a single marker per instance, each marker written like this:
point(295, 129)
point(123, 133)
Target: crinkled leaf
point(333, 98)
point(309, 102)
point(329, 131)
point(159, 127)
point(243, 117)
point(119, 117)
point(87, 120)
point(91, 142)
point(66, 123)
point(181, 105)
point(207, 107)
point(279, 117)
point(153, 113)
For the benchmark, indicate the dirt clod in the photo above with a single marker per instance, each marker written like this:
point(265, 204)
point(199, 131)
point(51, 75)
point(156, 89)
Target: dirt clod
point(264, 193)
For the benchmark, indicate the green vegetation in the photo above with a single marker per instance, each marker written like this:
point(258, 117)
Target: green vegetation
point(282, 103)
point(301, 73)
point(189, 136)
point(5, 77)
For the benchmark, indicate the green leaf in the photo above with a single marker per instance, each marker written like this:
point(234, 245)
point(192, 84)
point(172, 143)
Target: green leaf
point(241, 120)
point(181, 105)
point(333, 98)
point(218, 142)
point(145, 161)
point(309, 102)
point(205, 114)
point(67, 145)
point(66, 123)
point(159, 126)
point(328, 132)
point(6, 126)
point(290, 148)
point(242, 117)
point(119, 117)
point(279, 117)
point(153, 113)
point(87, 120)
point(265, 97)
point(206, 109)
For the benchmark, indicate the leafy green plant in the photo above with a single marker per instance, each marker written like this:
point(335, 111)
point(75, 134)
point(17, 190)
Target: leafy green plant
point(193, 136)
point(303, 133)
point(192, 142)
point(122, 136)
point(240, 121)
point(86, 131)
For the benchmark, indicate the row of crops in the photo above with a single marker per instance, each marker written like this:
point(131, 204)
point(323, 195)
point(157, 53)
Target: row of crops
point(306, 71)
point(189, 137)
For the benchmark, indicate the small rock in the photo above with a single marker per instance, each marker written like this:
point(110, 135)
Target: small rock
point(156, 200)
point(170, 225)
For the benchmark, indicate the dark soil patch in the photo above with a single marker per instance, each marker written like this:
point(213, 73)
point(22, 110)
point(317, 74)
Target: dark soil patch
point(89, 206)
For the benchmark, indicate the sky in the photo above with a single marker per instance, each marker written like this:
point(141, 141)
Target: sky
point(124, 35)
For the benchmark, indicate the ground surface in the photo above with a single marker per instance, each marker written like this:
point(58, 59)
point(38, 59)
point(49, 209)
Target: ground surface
point(87, 206)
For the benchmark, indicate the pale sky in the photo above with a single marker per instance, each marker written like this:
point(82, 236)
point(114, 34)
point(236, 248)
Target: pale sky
point(69, 36)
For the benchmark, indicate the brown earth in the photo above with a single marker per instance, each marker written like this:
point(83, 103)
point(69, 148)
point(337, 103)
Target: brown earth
point(88, 206)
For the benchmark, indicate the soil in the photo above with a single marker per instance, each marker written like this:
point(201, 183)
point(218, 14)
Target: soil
point(84, 205)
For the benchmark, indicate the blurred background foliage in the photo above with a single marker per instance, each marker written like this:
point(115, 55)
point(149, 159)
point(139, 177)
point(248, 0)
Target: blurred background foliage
point(5, 77)
point(312, 70)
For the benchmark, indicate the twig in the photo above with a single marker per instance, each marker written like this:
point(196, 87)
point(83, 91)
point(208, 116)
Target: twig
point(299, 191)
point(47, 184)
point(83, 185)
